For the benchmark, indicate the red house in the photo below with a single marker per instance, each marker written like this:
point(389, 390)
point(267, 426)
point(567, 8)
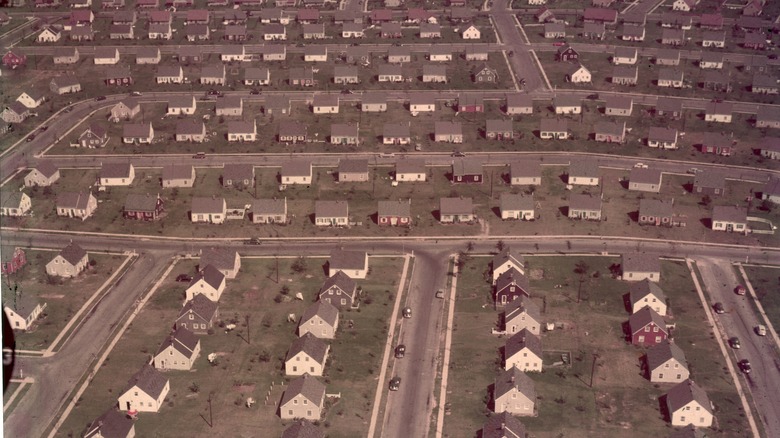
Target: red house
point(510, 285)
point(143, 207)
point(13, 60)
point(718, 144)
point(15, 262)
point(395, 213)
point(647, 328)
point(471, 103)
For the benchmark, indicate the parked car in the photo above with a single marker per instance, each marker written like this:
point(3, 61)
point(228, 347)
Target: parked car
point(761, 330)
point(253, 241)
point(400, 351)
point(440, 293)
point(254, 92)
point(593, 96)
point(136, 93)
point(407, 312)
point(99, 98)
point(744, 365)
point(395, 383)
point(740, 290)
point(559, 43)
point(734, 343)
point(31, 137)
point(184, 278)
point(719, 308)
point(458, 154)
point(199, 155)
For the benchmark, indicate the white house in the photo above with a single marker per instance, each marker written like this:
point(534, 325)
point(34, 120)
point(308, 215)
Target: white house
point(320, 319)
point(69, 262)
point(145, 391)
point(647, 294)
point(352, 263)
point(666, 363)
point(689, 405)
point(471, 33)
point(208, 282)
point(524, 351)
point(303, 398)
point(178, 351)
point(307, 355)
point(522, 314)
point(514, 392)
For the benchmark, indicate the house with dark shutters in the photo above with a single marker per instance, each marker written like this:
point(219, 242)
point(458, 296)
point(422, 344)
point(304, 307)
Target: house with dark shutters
point(656, 212)
point(199, 315)
point(566, 53)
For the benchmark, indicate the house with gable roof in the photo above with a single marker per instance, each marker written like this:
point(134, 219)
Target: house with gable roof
point(143, 206)
point(209, 210)
point(456, 210)
point(296, 172)
point(21, 310)
point(503, 425)
point(656, 212)
point(517, 206)
point(522, 314)
point(43, 175)
point(269, 211)
point(113, 424)
point(331, 213)
point(307, 355)
point(647, 327)
point(511, 285)
point(178, 351)
point(688, 404)
point(352, 263)
point(145, 391)
point(640, 266)
point(321, 319)
point(395, 213)
point(228, 261)
point(209, 282)
point(505, 260)
point(304, 398)
point(410, 169)
point(666, 363)
point(198, 315)
point(647, 294)
point(514, 392)
point(76, 204)
point(178, 175)
point(339, 290)
point(729, 218)
point(524, 351)
point(116, 174)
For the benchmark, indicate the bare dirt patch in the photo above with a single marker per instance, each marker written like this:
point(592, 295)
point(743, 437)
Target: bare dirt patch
point(536, 274)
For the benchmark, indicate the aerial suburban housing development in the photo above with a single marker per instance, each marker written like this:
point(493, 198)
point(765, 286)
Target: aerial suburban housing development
point(387, 218)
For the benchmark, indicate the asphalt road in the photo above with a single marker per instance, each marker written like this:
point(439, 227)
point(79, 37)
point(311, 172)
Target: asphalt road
point(740, 320)
point(408, 410)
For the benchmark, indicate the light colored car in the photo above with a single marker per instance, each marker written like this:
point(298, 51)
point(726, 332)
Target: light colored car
point(761, 330)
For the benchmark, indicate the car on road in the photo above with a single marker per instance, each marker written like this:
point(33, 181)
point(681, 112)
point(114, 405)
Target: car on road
point(407, 312)
point(593, 96)
point(254, 92)
point(183, 278)
point(136, 93)
point(395, 383)
point(693, 171)
point(400, 351)
point(69, 109)
point(440, 293)
point(44, 128)
point(734, 343)
point(761, 330)
point(99, 98)
point(213, 92)
point(559, 43)
point(30, 137)
point(253, 241)
point(719, 308)
point(740, 290)
point(345, 91)
point(458, 154)
point(199, 155)
point(744, 365)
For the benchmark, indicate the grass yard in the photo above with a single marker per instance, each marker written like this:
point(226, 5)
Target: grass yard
point(766, 283)
point(619, 398)
point(63, 297)
point(248, 369)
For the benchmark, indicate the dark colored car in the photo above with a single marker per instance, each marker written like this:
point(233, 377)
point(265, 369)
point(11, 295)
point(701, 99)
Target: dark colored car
point(253, 241)
point(395, 383)
point(719, 308)
point(99, 98)
point(30, 138)
point(254, 92)
point(458, 154)
point(744, 365)
point(184, 278)
point(740, 290)
point(400, 351)
point(734, 343)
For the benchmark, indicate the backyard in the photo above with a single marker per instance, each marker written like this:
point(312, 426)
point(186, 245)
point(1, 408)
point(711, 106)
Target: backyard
point(250, 359)
point(600, 390)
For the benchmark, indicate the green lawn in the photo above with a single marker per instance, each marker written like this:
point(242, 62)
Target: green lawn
point(766, 282)
point(63, 297)
point(251, 369)
point(619, 398)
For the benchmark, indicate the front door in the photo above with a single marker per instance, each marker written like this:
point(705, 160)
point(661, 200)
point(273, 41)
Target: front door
point(128, 406)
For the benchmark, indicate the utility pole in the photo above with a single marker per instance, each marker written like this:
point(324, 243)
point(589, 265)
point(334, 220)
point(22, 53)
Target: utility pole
point(247, 318)
point(593, 368)
point(211, 417)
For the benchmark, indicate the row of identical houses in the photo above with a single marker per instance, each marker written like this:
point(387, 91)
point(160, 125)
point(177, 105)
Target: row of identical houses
point(215, 209)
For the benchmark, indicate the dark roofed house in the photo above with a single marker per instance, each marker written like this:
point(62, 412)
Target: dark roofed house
point(331, 213)
point(238, 175)
point(600, 15)
point(709, 182)
point(394, 213)
point(688, 404)
point(647, 328)
point(669, 107)
point(143, 207)
point(645, 180)
point(339, 290)
point(503, 425)
point(610, 132)
point(466, 171)
point(511, 285)
point(353, 170)
point(307, 355)
point(112, 424)
point(514, 392)
point(198, 315)
point(640, 266)
point(303, 398)
point(456, 210)
point(768, 117)
point(584, 206)
point(303, 429)
point(729, 218)
point(145, 391)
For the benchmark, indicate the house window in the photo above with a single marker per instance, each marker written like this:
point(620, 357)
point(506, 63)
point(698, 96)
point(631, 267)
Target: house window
point(661, 376)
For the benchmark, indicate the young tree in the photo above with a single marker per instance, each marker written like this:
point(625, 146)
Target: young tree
point(582, 269)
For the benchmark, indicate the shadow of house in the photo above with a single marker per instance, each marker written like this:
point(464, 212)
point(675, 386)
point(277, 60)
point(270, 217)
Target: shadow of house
point(633, 216)
point(627, 302)
point(564, 210)
point(707, 222)
point(496, 211)
point(626, 331)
